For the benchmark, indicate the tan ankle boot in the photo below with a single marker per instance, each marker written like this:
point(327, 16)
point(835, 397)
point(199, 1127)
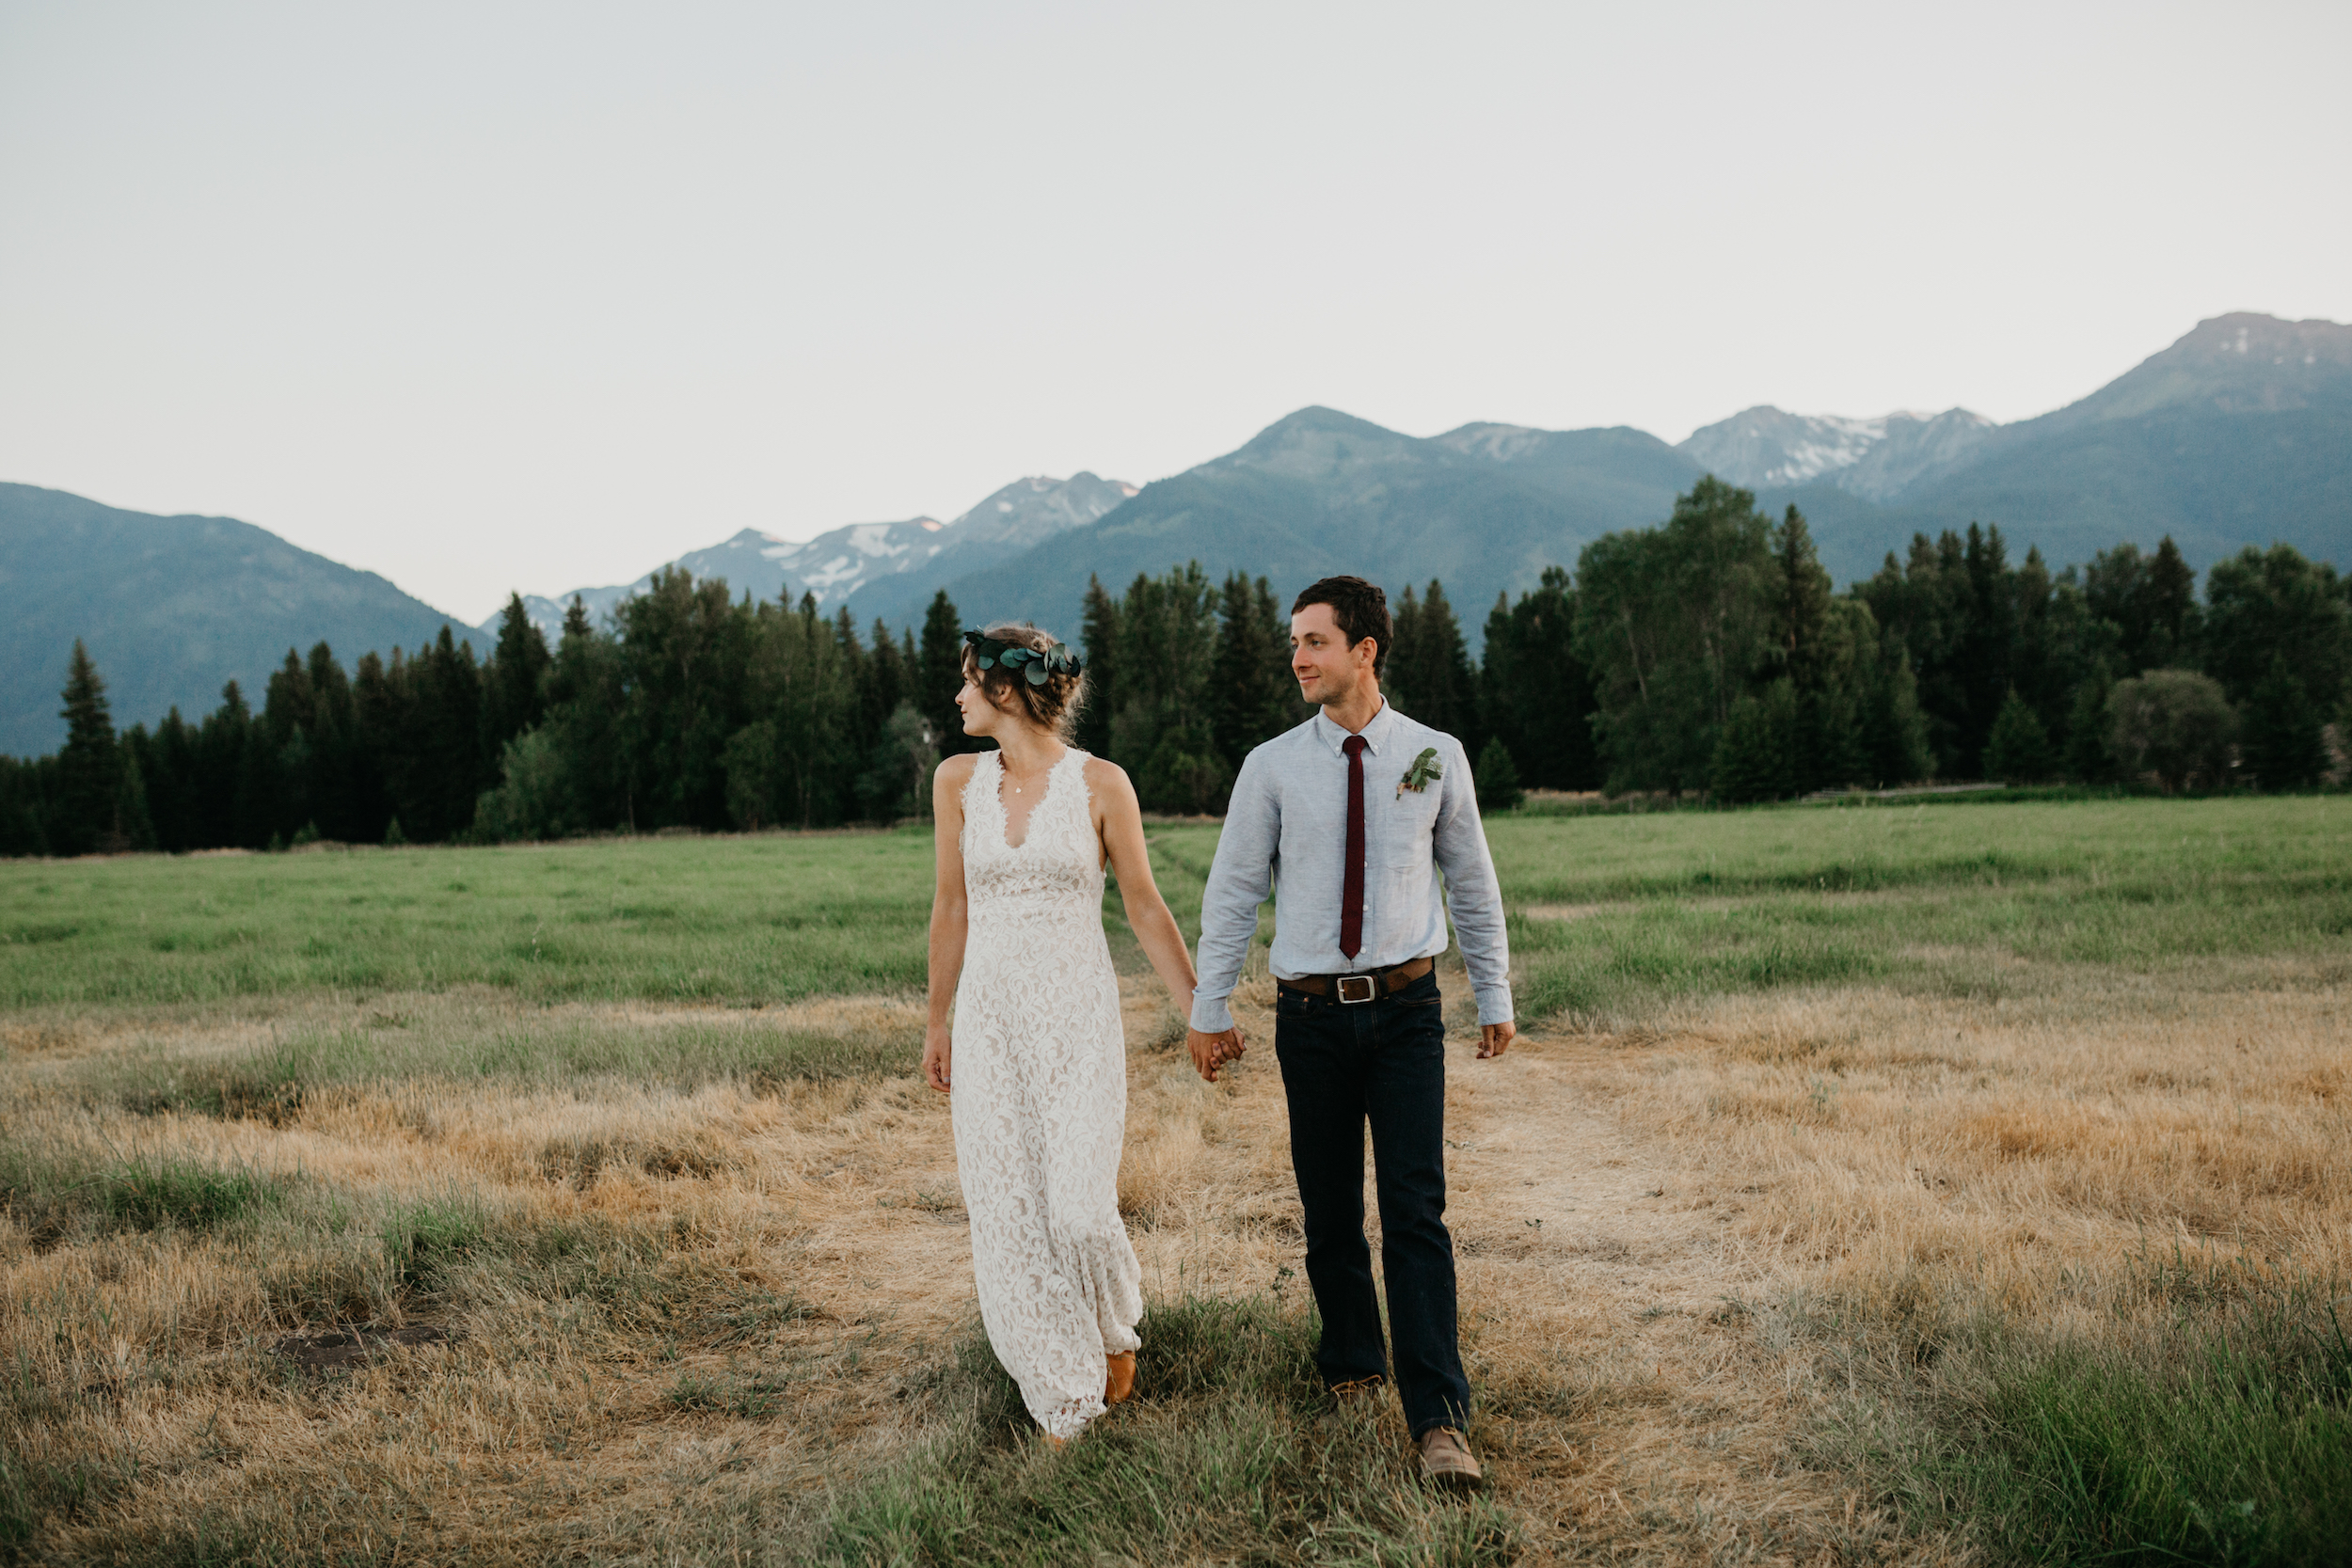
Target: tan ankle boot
point(1445, 1461)
point(1121, 1382)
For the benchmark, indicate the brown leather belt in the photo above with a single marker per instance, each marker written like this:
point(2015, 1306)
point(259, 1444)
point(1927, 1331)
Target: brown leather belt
point(1369, 986)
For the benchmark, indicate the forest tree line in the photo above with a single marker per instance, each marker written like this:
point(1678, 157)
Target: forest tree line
point(1709, 655)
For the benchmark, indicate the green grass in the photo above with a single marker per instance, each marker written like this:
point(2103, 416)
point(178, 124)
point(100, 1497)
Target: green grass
point(1961, 900)
point(765, 918)
point(736, 921)
point(2222, 1436)
point(559, 1051)
point(57, 1189)
point(1690, 903)
point(1230, 1451)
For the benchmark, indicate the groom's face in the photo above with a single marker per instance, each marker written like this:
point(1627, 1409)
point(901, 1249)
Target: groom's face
point(1327, 668)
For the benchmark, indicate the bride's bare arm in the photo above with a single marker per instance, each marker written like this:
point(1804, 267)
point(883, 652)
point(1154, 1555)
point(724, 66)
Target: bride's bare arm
point(1121, 823)
point(950, 916)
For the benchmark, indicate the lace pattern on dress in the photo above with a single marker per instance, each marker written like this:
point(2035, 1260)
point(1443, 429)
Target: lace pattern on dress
point(1040, 1097)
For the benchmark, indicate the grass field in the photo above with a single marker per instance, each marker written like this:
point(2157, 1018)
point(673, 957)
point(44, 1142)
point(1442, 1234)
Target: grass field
point(1957, 1183)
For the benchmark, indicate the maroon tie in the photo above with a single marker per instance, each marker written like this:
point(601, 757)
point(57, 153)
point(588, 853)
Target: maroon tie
point(1352, 885)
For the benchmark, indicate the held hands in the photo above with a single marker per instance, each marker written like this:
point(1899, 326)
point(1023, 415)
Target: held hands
point(1212, 1052)
point(937, 1049)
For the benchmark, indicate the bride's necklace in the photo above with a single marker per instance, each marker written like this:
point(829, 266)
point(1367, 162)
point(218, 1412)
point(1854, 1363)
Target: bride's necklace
point(1017, 785)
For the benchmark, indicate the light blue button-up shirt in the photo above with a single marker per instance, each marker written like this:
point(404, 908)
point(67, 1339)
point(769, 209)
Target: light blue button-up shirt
point(1287, 829)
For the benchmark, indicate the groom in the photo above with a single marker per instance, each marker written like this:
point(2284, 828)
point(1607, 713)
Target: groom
point(1351, 816)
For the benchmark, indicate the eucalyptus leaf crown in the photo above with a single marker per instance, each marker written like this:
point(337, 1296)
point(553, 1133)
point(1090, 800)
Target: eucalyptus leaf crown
point(1032, 664)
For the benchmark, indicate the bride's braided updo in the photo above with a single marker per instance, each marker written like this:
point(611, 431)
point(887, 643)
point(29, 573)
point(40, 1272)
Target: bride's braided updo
point(1051, 703)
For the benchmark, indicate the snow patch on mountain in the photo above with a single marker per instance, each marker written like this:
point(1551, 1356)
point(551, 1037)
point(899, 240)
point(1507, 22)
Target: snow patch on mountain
point(838, 562)
point(1767, 447)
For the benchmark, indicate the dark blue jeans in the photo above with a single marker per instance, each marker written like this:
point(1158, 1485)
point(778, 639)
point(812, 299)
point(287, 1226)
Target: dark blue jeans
point(1380, 1062)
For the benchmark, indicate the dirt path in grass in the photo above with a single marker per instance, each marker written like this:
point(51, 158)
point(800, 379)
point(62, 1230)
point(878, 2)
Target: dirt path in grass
point(1631, 1409)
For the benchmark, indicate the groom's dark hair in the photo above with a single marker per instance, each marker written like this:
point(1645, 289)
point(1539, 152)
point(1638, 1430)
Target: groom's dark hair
point(1359, 608)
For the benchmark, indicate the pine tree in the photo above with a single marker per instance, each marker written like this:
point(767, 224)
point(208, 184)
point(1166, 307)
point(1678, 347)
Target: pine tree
point(1100, 634)
point(513, 695)
point(1400, 665)
point(2018, 750)
point(133, 826)
point(1534, 693)
point(1253, 696)
point(90, 766)
point(2089, 759)
point(2172, 621)
point(1445, 687)
point(1754, 754)
point(1800, 601)
point(2283, 734)
point(940, 675)
point(1498, 778)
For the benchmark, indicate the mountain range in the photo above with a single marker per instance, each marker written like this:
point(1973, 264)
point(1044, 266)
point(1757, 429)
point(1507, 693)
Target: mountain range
point(170, 609)
point(2239, 433)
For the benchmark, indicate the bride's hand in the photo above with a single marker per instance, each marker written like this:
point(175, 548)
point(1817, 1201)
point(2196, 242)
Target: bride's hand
point(937, 1049)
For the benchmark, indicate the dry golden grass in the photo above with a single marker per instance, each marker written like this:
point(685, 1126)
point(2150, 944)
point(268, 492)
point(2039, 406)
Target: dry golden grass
point(756, 1278)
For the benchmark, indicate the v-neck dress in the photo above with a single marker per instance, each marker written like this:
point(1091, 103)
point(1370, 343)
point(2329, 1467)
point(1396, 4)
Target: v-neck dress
point(1040, 1097)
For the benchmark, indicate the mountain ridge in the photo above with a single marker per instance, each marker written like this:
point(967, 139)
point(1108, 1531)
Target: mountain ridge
point(2237, 433)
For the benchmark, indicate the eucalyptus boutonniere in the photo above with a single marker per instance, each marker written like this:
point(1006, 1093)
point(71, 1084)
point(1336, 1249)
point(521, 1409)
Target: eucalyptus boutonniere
point(1426, 768)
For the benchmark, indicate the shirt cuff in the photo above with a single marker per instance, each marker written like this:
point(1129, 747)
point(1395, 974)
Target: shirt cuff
point(1210, 1014)
point(1494, 1004)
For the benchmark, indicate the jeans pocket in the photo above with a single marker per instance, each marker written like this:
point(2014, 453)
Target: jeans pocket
point(1422, 992)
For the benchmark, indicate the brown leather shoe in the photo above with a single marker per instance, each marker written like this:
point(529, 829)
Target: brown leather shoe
point(1121, 1383)
point(1446, 1461)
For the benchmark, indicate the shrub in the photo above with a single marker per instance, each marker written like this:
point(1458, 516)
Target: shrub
point(2018, 750)
point(2174, 724)
point(1498, 779)
point(1756, 756)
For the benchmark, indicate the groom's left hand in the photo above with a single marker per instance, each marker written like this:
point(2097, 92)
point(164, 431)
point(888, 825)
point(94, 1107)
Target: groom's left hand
point(1495, 1038)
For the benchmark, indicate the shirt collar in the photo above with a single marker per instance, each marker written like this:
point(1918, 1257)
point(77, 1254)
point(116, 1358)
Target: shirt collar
point(1376, 734)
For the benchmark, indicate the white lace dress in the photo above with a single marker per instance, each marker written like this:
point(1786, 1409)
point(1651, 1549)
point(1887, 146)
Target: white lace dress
point(1039, 1096)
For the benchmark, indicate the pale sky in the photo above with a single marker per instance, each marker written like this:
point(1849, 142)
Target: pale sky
point(488, 295)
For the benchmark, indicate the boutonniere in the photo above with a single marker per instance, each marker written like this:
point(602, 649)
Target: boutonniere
point(1426, 768)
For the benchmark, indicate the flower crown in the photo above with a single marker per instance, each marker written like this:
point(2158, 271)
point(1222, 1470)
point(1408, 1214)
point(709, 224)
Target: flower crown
point(1034, 665)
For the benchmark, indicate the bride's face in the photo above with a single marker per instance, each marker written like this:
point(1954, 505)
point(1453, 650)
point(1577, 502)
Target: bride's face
point(981, 716)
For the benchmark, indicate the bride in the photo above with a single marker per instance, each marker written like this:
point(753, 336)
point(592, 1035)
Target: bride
point(1036, 1061)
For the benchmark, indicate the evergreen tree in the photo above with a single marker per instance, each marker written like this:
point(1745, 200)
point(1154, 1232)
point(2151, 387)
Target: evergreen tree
point(2018, 750)
point(2089, 758)
point(684, 648)
point(1428, 673)
point(2263, 605)
point(513, 695)
point(1400, 664)
point(1253, 696)
point(2283, 731)
point(1892, 732)
point(940, 676)
point(21, 804)
point(1801, 596)
point(133, 827)
point(90, 766)
point(1673, 622)
point(1101, 636)
point(2149, 601)
point(1754, 756)
point(174, 803)
point(2173, 621)
point(1498, 778)
point(1163, 733)
point(1533, 693)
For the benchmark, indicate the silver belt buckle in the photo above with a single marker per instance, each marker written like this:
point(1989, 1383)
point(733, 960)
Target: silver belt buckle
point(1357, 988)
